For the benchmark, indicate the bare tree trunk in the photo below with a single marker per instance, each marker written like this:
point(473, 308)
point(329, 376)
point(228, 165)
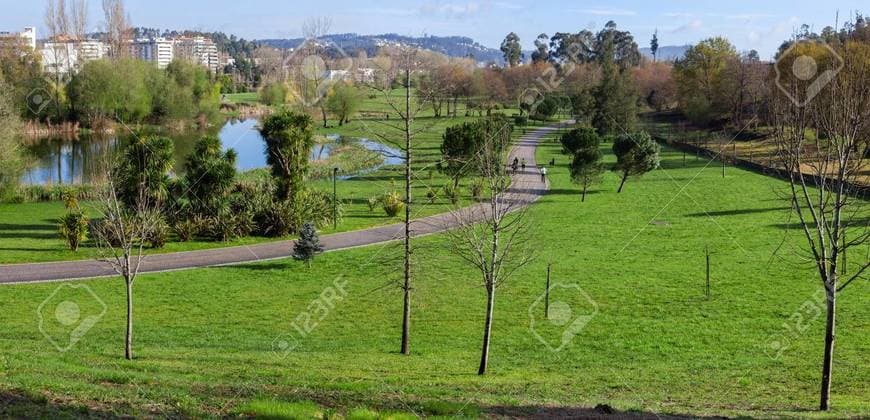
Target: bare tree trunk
point(585, 187)
point(406, 313)
point(622, 183)
point(128, 342)
point(828, 361)
point(487, 330)
point(323, 114)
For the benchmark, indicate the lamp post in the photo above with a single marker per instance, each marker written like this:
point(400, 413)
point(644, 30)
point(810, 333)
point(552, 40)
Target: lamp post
point(334, 199)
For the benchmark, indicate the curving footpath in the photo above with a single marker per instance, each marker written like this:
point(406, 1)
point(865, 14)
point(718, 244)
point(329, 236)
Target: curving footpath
point(526, 187)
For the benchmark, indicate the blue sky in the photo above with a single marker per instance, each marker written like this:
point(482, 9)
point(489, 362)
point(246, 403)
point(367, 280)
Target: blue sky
point(760, 25)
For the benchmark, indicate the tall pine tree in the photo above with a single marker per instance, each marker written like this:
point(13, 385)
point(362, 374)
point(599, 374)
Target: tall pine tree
point(615, 97)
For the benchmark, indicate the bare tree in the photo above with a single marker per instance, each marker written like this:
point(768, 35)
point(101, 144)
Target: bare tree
point(403, 62)
point(121, 236)
point(313, 64)
point(316, 27)
point(493, 237)
point(67, 28)
point(57, 24)
point(821, 141)
point(117, 30)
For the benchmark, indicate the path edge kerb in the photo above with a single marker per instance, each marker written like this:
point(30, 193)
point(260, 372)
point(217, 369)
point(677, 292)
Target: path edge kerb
point(57, 271)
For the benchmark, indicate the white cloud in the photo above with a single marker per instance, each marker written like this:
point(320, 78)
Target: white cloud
point(605, 12)
point(453, 10)
point(678, 15)
point(506, 5)
point(691, 26)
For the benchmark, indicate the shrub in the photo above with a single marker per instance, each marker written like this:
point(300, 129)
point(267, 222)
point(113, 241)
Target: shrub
point(452, 192)
point(521, 120)
point(227, 225)
point(373, 202)
point(158, 237)
point(188, 228)
point(74, 228)
point(393, 204)
point(477, 190)
point(274, 219)
point(317, 206)
point(273, 94)
point(432, 195)
point(38, 193)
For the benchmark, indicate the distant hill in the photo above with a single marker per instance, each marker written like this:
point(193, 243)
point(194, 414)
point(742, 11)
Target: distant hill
point(667, 53)
point(453, 46)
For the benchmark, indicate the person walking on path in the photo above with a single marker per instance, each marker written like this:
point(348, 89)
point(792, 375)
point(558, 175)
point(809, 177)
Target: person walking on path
point(524, 164)
point(543, 174)
point(515, 165)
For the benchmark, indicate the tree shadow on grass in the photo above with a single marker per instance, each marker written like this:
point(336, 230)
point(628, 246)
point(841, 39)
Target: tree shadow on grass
point(18, 404)
point(4, 248)
point(28, 227)
point(738, 212)
point(573, 192)
point(601, 411)
point(691, 163)
point(28, 231)
point(272, 266)
point(858, 223)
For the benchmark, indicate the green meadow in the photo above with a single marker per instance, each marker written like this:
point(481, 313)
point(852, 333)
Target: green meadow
point(632, 328)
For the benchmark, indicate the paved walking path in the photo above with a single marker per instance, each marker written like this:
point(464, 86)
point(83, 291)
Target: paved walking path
point(526, 186)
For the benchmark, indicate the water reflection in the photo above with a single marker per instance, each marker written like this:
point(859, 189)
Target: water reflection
point(84, 160)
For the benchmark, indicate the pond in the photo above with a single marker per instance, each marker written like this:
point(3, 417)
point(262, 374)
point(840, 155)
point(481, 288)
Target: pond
point(83, 160)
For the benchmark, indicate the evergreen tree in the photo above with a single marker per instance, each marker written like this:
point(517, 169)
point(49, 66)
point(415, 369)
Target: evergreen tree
point(143, 171)
point(209, 176)
point(512, 50)
point(615, 97)
point(654, 45)
point(586, 167)
point(308, 245)
point(289, 140)
point(542, 49)
point(636, 154)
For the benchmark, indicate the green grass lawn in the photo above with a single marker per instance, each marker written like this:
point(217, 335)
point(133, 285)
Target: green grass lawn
point(28, 232)
point(207, 341)
point(249, 97)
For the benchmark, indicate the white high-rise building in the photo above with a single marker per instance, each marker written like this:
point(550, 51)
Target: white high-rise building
point(158, 50)
point(92, 50)
point(60, 58)
point(27, 37)
point(199, 50)
point(67, 57)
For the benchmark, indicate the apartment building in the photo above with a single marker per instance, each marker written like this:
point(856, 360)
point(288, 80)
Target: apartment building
point(66, 56)
point(157, 50)
point(27, 37)
point(199, 50)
